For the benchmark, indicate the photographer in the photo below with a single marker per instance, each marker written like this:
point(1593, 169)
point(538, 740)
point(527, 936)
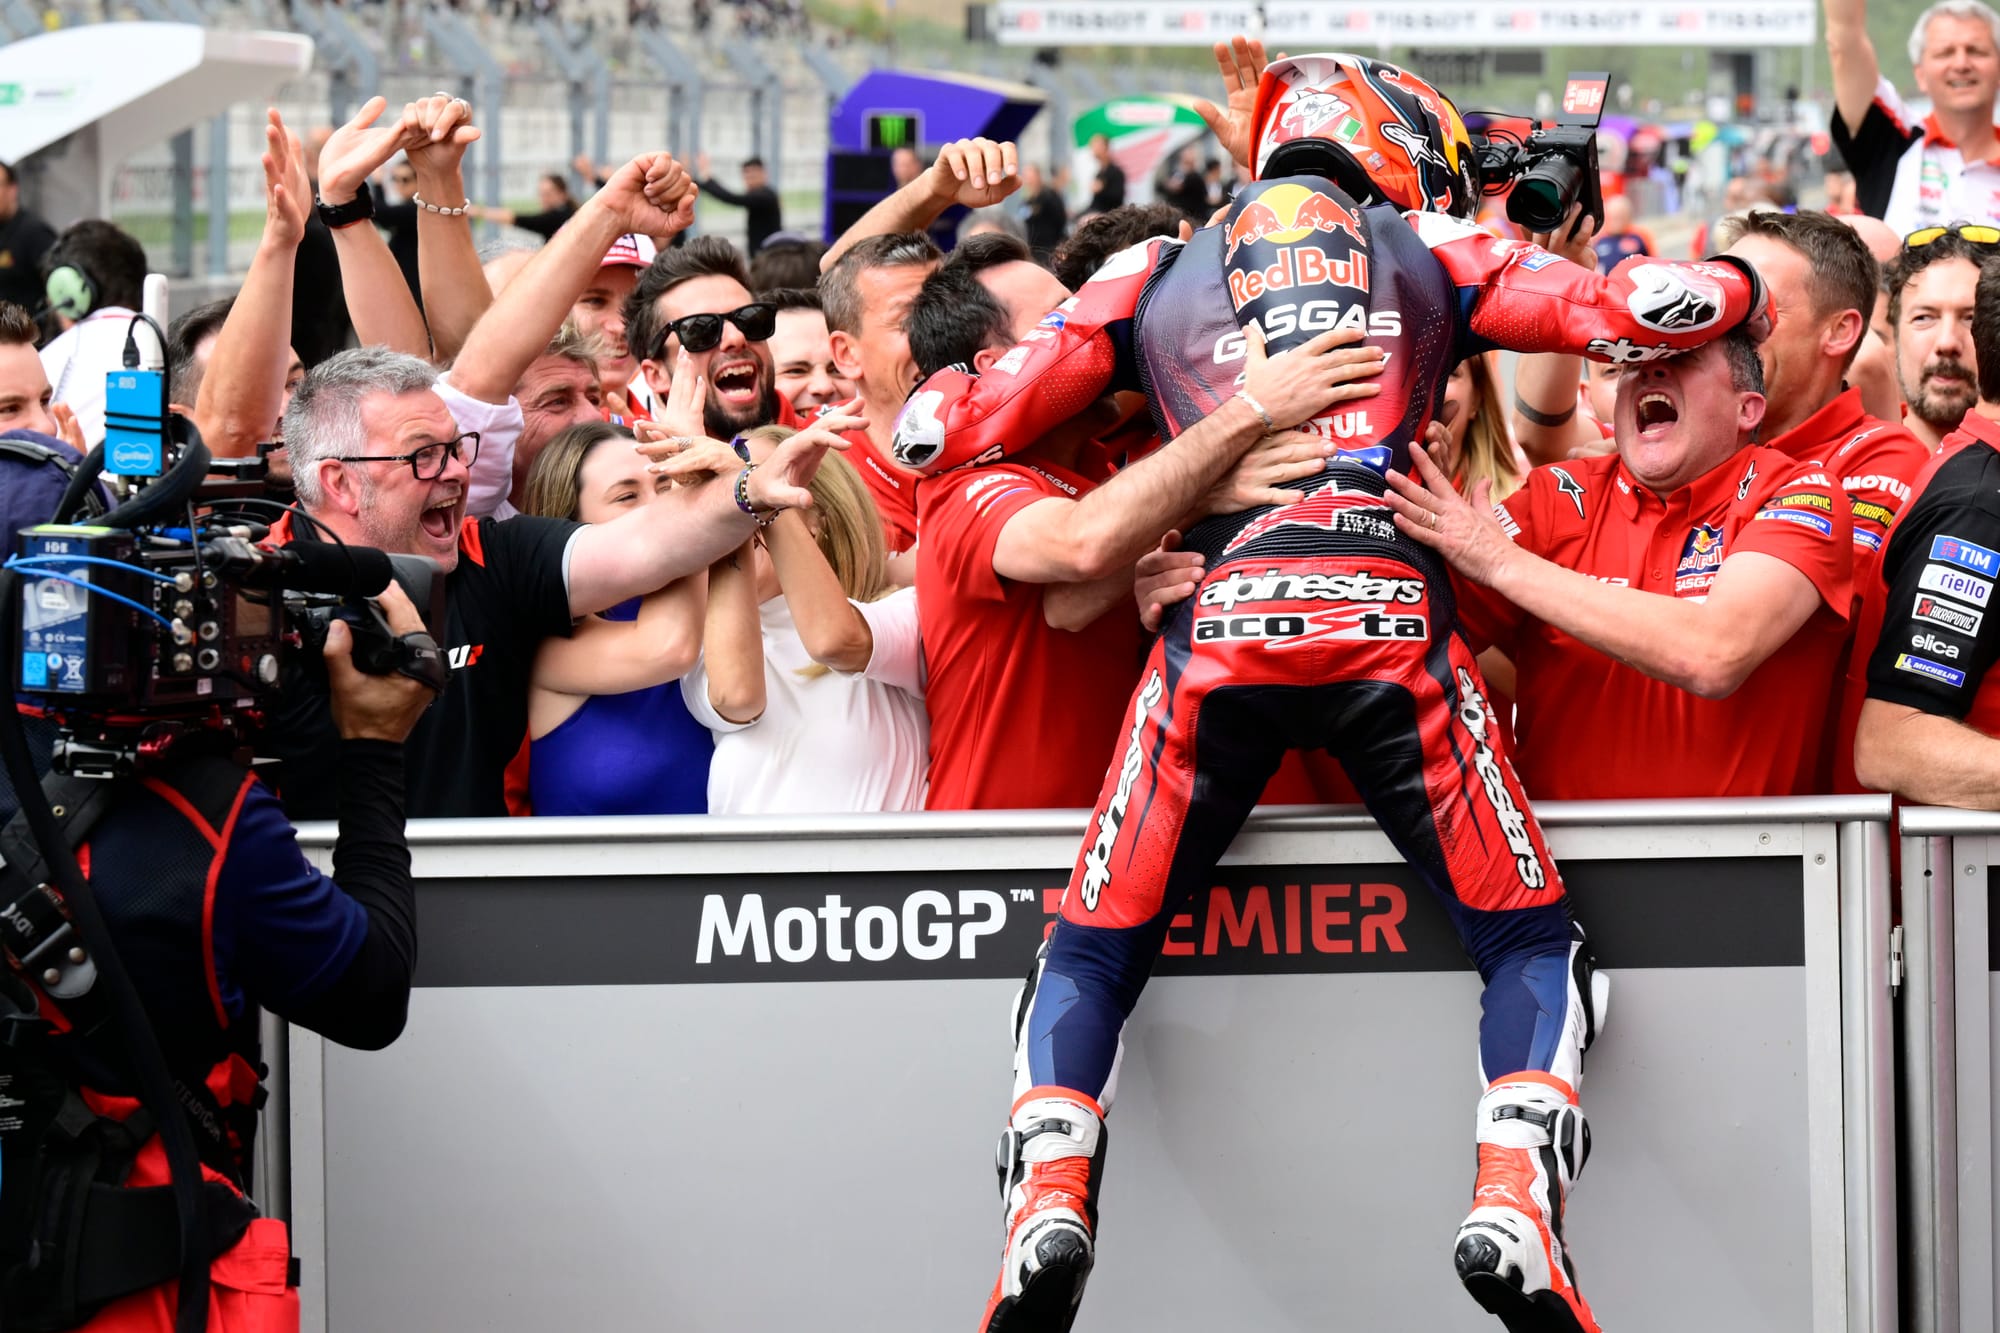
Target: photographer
point(215, 914)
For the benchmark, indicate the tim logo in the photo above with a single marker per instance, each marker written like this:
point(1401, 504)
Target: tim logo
point(1956, 551)
point(1286, 213)
point(465, 655)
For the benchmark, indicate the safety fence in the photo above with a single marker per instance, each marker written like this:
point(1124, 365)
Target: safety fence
point(733, 1074)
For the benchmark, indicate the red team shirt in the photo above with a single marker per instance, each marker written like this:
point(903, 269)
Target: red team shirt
point(894, 492)
point(1589, 727)
point(1023, 716)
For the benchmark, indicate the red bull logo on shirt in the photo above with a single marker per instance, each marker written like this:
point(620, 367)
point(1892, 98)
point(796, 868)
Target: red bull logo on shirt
point(1701, 556)
point(1286, 213)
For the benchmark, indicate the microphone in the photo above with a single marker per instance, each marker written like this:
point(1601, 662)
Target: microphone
point(343, 571)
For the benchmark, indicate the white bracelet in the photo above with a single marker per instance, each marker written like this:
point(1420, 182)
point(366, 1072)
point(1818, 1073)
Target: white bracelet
point(429, 207)
point(1258, 408)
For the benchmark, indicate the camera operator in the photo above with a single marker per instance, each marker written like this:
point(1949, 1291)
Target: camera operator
point(215, 914)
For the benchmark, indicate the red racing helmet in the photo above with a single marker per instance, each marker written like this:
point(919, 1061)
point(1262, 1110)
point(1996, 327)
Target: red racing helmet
point(1380, 133)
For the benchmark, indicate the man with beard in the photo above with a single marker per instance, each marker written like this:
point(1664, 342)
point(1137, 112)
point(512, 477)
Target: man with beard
point(1930, 312)
point(692, 314)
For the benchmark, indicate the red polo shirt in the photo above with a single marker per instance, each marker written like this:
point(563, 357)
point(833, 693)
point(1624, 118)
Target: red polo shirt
point(1875, 462)
point(1931, 636)
point(1023, 716)
point(1590, 727)
point(893, 490)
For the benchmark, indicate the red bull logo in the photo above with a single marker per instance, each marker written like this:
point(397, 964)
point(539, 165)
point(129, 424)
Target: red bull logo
point(1701, 557)
point(1286, 213)
point(1299, 266)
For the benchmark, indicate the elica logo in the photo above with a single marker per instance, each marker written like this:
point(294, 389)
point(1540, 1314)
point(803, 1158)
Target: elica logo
point(927, 926)
point(1931, 643)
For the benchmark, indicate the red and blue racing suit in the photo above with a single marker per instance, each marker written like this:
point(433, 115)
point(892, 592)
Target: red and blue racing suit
point(1316, 625)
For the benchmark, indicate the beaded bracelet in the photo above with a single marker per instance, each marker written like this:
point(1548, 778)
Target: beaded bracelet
point(765, 517)
point(1258, 408)
point(430, 207)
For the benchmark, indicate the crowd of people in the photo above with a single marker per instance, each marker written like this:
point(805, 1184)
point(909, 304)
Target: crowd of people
point(781, 618)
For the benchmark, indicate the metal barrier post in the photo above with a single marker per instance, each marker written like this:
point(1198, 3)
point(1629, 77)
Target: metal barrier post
point(1869, 1076)
point(272, 1174)
point(685, 85)
point(1930, 1084)
point(767, 106)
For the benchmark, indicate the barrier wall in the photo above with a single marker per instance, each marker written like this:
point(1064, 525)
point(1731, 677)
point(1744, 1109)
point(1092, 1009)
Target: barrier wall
point(723, 1074)
point(1951, 872)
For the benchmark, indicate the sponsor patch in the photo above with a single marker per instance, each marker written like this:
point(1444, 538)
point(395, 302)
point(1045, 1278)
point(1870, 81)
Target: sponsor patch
point(1923, 666)
point(1538, 261)
point(1958, 619)
point(1954, 584)
point(1291, 630)
point(1701, 556)
point(1011, 363)
point(1803, 500)
point(1868, 512)
point(1823, 526)
point(1569, 486)
point(1624, 352)
point(1097, 857)
point(1966, 555)
point(1276, 585)
point(1477, 718)
point(1663, 299)
point(1931, 643)
point(1875, 481)
point(1870, 540)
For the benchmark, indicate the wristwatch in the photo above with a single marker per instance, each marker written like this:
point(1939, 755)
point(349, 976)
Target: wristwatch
point(358, 209)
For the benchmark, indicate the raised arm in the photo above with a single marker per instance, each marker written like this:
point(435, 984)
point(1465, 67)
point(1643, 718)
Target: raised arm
point(1856, 69)
point(1106, 531)
point(244, 389)
point(972, 172)
point(733, 639)
point(455, 291)
point(1527, 299)
point(378, 300)
point(1547, 424)
point(650, 195)
point(835, 634)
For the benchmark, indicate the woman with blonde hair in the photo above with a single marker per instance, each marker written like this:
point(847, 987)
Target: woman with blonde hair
point(811, 674)
point(1478, 444)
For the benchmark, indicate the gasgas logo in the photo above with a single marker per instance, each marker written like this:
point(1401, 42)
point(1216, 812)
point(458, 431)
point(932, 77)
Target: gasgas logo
point(1286, 213)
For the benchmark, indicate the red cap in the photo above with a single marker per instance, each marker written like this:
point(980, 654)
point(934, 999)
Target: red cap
point(631, 250)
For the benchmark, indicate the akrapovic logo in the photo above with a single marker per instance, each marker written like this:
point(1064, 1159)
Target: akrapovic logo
point(927, 926)
point(1275, 585)
point(1473, 712)
point(1097, 859)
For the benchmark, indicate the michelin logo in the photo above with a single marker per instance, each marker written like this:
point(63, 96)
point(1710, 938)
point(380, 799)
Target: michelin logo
point(1923, 666)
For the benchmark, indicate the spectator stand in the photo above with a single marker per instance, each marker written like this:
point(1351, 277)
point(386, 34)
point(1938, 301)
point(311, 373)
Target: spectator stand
point(484, 85)
point(1951, 1066)
point(767, 106)
point(709, 1038)
point(354, 73)
point(686, 88)
point(588, 77)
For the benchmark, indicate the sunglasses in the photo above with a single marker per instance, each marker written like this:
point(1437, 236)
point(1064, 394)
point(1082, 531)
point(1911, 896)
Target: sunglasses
point(700, 333)
point(1977, 234)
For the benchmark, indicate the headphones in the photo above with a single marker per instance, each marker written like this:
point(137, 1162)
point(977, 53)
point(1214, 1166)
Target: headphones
point(69, 291)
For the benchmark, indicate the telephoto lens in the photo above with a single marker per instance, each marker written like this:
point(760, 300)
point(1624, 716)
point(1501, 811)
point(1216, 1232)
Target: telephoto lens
point(1544, 194)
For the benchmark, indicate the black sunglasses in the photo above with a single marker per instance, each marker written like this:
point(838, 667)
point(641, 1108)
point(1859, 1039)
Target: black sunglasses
point(699, 333)
point(427, 462)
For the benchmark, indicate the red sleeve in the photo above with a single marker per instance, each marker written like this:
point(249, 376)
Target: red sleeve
point(1806, 521)
point(962, 526)
point(1064, 364)
point(1877, 470)
point(1490, 620)
point(1522, 297)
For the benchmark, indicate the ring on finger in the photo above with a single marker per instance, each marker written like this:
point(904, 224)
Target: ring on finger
point(1434, 520)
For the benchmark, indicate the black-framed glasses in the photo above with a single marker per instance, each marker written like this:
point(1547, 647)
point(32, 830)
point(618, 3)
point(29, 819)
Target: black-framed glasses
point(699, 333)
point(1977, 233)
point(427, 462)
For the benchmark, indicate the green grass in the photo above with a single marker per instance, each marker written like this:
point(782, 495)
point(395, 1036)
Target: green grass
point(155, 231)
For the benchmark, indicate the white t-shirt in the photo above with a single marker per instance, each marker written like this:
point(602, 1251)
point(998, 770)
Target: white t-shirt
point(829, 742)
point(77, 360)
point(499, 426)
point(1908, 174)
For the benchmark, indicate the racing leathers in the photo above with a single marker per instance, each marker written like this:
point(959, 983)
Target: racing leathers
point(1315, 625)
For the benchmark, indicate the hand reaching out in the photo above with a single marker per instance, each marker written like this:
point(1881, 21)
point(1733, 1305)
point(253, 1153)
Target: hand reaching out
point(356, 150)
point(780, 481)
point(681, 414)
point(288, 195)
point(652, 195)
point(974, 172)
point(1461, 528)
point(440, 129)
point(688, 459)
point(1241, 63)
point(1164, 576)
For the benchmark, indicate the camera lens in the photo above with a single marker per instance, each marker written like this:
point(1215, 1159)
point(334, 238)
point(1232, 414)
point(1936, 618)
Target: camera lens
point(1545, 193)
